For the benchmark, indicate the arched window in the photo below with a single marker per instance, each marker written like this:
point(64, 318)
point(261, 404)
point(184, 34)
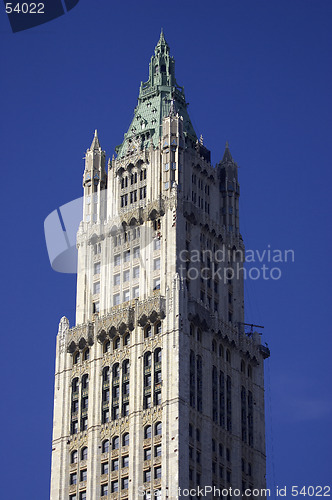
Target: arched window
point(157, 355)
point(221, 351)
point(84, 453)
point(147, 332)
point(106, 374)
point(106, 446)
point(228, 356)
point(76, 357)
point(86, 354)
point(192, 330)
point(243, 366)
point(147, 359)
point(116, 343)
point(249, 371)
point(74, 385)
point(214, 346)
point(157, 328)
point(115, 443)
point(147, 432)
point(125, 439)
point(85, 381)
point(125, 367)
point(116, 370)
point(73, 457)
point(157, 429)
point(199, 335)
point(126, 339)
point(107, 346)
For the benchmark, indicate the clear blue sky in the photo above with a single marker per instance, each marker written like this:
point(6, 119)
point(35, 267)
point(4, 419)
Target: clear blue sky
point(256, 73)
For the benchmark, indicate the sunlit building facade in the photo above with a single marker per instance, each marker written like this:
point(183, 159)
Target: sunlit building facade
point(157, 387)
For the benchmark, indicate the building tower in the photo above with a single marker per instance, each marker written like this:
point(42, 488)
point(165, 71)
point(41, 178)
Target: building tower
point(158, 387)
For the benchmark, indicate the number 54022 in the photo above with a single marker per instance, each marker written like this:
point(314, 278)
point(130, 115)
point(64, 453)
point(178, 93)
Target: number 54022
point(25, 8)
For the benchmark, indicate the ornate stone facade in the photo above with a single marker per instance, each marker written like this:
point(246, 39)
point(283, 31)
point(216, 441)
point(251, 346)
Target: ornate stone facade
point(157, 387)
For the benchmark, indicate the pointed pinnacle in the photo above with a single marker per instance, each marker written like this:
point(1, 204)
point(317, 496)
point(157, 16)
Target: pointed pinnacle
point(227, 158)
point(95, 143)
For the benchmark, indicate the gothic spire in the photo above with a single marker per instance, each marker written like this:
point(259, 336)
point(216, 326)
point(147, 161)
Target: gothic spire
point(227, 158)
point(95, 143)
point(161, 44)
point(160, 96)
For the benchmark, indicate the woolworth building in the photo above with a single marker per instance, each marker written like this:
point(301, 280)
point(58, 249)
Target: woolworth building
point(159, 392)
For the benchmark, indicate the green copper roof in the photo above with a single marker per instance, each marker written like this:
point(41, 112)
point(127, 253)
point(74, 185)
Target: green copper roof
point(160, 96)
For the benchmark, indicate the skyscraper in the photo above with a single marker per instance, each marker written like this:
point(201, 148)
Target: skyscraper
point(158, 390)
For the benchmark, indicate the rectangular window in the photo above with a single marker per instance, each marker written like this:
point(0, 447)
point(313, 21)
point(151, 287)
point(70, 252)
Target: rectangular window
point(136, 253)
point(125, 483)
point(147, 454)
point(136, 272)
point(84, 475)
point(147, 476)
point(104, 468)
point(167, 185)
point(116, 279)
point(166, 167)
point(125, 461)
point(73, 478)
point(96, 287)
point(156, 244)
point(96, 268)
point(117, 260)
point(173, 166)
point(156, 264)
point(157, 472)
point(83, 495)
point(135, 292)
point(116, 299)
point(156, 284)
point(115, 464)
point(126, 296)
point(126, 256)
point(114, 486)
point(142, 193)
point(133, 196)
point(104, 490)
point(157, 450)
point(126, 275)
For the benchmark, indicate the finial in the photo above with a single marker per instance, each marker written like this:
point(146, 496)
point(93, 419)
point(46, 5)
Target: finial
point(226, 146)
point(96, 135)
point(201, 140)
